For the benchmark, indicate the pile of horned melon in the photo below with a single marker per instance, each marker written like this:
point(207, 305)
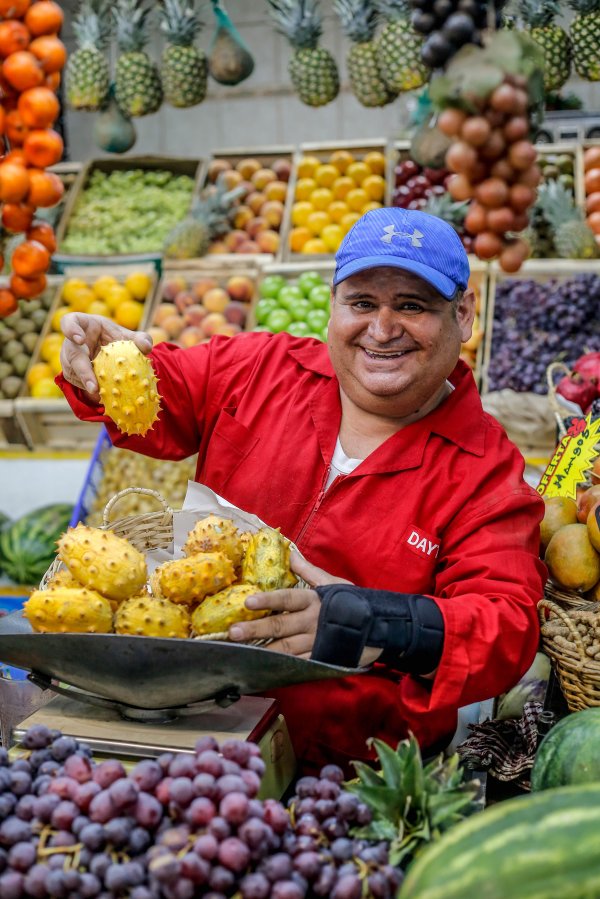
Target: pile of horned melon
point(104, 586)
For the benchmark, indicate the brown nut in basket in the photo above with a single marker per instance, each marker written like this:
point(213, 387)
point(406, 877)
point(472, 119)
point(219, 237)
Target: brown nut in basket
point(571, 638)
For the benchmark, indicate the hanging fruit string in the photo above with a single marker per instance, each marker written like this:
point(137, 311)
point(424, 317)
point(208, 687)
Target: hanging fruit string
point(229, 60)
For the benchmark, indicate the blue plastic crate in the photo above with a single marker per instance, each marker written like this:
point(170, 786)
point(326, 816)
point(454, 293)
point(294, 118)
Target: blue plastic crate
point(10, 604)
point(92, 480)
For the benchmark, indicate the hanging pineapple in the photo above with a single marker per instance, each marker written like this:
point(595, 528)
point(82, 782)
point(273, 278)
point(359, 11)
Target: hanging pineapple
point(138, 90)
point(359, 21)
point(87, 77)
point(313, 69)
point(585, 38)
point(398, 48)
point(184, 69)
point(538, 16)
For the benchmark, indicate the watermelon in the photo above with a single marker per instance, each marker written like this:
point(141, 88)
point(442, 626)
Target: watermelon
point(568, 754)
point(540, 846)
point(28, 545)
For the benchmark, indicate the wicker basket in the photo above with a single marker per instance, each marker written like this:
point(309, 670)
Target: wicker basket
point(566, 599)
point(572, 640)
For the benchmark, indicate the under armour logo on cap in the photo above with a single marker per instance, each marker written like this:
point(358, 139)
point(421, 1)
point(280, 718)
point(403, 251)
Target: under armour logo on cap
point(390, 232)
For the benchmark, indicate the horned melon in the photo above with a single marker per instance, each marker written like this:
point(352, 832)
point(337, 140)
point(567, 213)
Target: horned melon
point(128, 387)
point(103, 561)
point(267, 561)
point(65, 610)
point(62, 578)
point(215, 534)
point(190, 580)
point(218, 612)
point(148, 616)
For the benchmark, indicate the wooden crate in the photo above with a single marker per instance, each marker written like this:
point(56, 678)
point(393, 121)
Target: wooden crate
point(574, 150)
point(11, 435)
point(323, 151)
point(195, 168)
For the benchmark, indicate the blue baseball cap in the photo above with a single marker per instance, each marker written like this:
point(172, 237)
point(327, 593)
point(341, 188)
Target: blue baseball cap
point(408, 239)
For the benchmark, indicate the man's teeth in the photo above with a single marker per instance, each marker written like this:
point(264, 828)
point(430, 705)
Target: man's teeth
point(376, 355)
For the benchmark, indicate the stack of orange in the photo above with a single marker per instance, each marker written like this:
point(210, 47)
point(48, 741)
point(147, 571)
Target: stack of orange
point(331, 195)
point(591, 165)
point(31, 59)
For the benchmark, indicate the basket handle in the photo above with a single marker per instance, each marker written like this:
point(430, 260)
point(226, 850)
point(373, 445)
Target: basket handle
point(143, 490)
point(554, 404)
point(546, 604)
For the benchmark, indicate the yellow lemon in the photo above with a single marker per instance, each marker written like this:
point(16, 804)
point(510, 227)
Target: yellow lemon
point(374, 185)
point(316, 222)
point(129, 314)
point(301, 212)
point(341, 159)
point(298, 237)
point(337, 210)
point(304, 188)
point(45, 388)
point(138, 284)
point(372, 204)
point(349, 221)
point(102, 284)
point(37, 371)
point(71, 287)
point(315, 245)
point(376, 162)
point(356, 199)
point(321, 198)
point(307, 166)
point(81, 299)
point(341, 187)
point(50, 343)
point(98, 308)
point(326, 175)
point(57, 317)
point(358, 171)
point(332, 236)
point(116, 295)
point(55, 363)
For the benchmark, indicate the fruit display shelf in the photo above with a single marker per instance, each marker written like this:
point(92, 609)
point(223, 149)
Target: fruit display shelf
point(44, 416)
point(148, 213)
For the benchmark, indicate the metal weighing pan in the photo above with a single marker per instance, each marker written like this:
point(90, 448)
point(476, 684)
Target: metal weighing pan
point(154, 672)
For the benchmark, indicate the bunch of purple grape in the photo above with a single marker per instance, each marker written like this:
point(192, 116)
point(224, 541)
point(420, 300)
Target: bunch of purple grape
point(449, 24)
point(536, 323)
point(183, 825)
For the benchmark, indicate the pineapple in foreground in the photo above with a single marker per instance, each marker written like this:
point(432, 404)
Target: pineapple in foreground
point(103, 561)
point(398, 48)
point(313, 69)
point(359, 20)
point(138, 89)
point(585, 38)
point(87, 77)
point(184, 69)
point(539, 16)
point(127, 386)
point(207, 219)
point(572, 237)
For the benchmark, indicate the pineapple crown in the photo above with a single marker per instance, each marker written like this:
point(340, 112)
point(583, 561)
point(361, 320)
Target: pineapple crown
point(299, 21)
point(585, 7)
point(359, 19)
point(131, 20)
point(180, 22)
point(394, 10)
point(92, 24)
point(444, 207)
point(557, 204)
point(539, 13)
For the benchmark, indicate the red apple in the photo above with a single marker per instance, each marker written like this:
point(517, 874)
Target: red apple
point(236, 313)
point(282, 168)
point(240, 288)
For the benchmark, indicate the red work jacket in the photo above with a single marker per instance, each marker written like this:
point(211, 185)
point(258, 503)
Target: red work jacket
point(440, 508)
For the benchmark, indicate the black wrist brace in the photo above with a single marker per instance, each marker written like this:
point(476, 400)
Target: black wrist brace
point(409, 628)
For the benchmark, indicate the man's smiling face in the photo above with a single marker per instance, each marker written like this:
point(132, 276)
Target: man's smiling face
point(394, 340)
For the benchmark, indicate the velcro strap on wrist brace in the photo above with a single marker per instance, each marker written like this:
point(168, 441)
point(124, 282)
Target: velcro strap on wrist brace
point(409, 628)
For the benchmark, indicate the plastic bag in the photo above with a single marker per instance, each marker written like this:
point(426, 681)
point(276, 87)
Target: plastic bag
point(229, 60)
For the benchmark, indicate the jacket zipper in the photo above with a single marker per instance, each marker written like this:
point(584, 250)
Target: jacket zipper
point(317, 504)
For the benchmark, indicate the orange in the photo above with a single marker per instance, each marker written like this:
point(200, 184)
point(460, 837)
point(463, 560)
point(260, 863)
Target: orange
point(374, 185)
point(326, 175)
point(129, 314)
point(55, 363)
point(316, 222)
point(304, 188)
point(37, 371)
point(358, 171)
point(357, 199)
point(50, 343)
point(376, 162)
point(341, 159)
point(301, 212)
point(56, 320)
point(321, 198)
point(315, 245)
point(341, 186)
point(372, 204)
point(45, 388)
point(332, 236)
point(337, 210)
point(298, 237)
point(98, 308)
point(307, 166)
point(80, 300)
point(349, 221)
point(138, 284)
point(71, 288)
point(115, 295)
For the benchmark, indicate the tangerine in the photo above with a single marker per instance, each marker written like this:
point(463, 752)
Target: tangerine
point(592, 180)
point(46, 188)
point(38, 370)
point(30, 259)
point(15, 128)
point(314, 245)
point(337, 210)
point(39, 106)
point(304, 188)
point(129, 314)
point(341, 187)
point(44, 17)
point(374, 185)
point(356, 199)
point(22, 70)
point(321, 198)
point(44, 234)
point(26, 288)
point(50, 51)
point(325, 175)
point(298, 237)
point(358, 171)
point(14, 182)
point(591, 158)
point(307, 166)
point(13, 9)
point(301, 212)
point(14, 36)
point(46, 389)
point(17, 216)
point(8, 302)
point(43, 148)
point(316, 221)
point(138, 284)
point(341, 159)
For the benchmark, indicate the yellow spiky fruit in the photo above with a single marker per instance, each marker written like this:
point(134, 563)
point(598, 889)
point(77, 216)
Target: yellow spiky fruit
point(267, 561)
point(127, 386)
point(66, 610)
point(103, 561)
point(149, 616)
point(190, 580)
point(215, 534)
point(218, 612)
point(62, 578)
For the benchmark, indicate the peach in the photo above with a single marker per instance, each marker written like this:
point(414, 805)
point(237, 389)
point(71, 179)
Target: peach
point(247, 167)
point(283, 169)
point(173, 325)
point(240, 288)
point(236, 313)
point(165, 310)
point(217, 247)
point(243, 214)
point(255, 200)
point(261, 178)
point(191, 336)
point(202, 285)
point(248, 246)
point(232, 239)
point(272, 211)
point(173, 286)
point(215, 300)
point(213, 321)
point(228, 329)
point(276, 190)
point(216, 167)
point(158, 335)
point(183, 299)
point(255, 226)
point(231, 179)
point(268, 241)
point(194, 315)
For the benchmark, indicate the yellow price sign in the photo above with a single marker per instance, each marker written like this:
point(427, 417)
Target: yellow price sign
point(571, 459)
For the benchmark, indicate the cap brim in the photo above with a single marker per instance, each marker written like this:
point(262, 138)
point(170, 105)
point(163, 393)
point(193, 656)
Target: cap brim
point(440, 282)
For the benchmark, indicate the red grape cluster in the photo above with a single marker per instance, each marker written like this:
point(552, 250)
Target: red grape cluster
point(449, 24)
point(495, 168)
point(183, 825)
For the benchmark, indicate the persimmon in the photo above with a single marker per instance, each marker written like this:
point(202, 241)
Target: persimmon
point(44, 17)
point(8, 302)
point(14, 9)
point(593, 221)
point(53, 81)
point(17, 156)
point(14, 36)
point(14, 182)
point(43, 147)
point(592, 202)
point(591, 158)
point(17, 217)
point(26, 288)
point(50, 51)
point(22, 70)
point(592, 180)
point(39, 107)
point(30, 259)
point(15, 128)
point(2, 119)
point(45, 188)
point(43, 233)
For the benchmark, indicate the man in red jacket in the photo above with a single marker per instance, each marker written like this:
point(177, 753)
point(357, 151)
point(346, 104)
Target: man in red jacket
point(374, 456)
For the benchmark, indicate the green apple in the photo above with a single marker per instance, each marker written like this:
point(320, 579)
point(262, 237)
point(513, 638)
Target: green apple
point(317, 319)
point(271, 286)
point(299, 329)
point(279, 320)
point(299, 310)
point(263, 309)
point(319, 297)
point(324, 335)
point(308, 280)
point(315, 335)
point(288, 295)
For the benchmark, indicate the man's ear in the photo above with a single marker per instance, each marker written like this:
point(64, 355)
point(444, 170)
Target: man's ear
point(465, 314)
